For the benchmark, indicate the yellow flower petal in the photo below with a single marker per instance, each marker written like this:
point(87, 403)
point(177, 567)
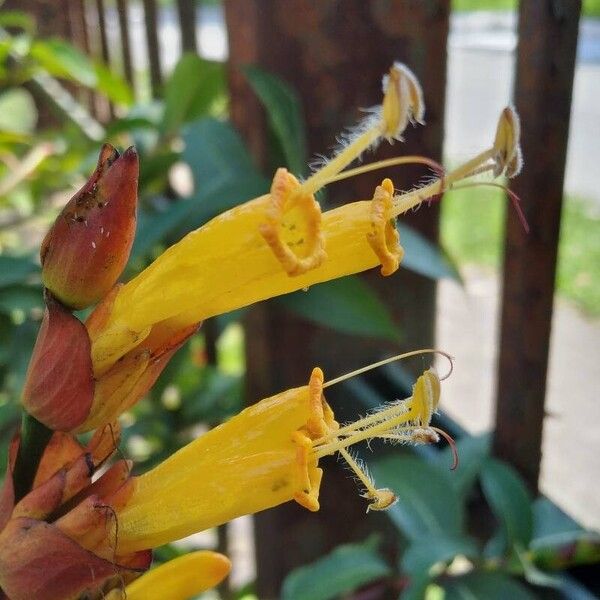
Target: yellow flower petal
point(179, 579)
point(269, 246)
point(258, 459)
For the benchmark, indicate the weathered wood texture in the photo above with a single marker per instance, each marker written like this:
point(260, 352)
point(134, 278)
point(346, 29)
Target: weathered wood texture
point(334, 54)
point(544, 81)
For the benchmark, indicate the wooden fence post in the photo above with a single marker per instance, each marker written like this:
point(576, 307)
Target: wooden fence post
point(334, 55)
point(544, 83)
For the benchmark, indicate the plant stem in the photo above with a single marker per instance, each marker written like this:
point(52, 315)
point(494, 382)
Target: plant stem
point(34, 439)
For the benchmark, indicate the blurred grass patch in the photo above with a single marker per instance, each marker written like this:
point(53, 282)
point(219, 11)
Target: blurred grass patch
point(591, 8)
point(472, 231)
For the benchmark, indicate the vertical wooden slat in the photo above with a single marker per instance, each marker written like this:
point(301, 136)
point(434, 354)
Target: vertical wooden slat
point(545, 67)
point(151, 24)
point(187, 25)
point(104, 51)
point(123, 11)
point(335, 58)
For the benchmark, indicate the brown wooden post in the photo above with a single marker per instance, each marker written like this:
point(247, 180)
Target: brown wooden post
point(151, 25)
point(123, 12)
point(104, 51)
point(187, 25)
point(544, 83)
point(334, 54)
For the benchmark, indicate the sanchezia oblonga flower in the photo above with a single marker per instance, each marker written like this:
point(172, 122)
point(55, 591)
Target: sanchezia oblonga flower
point(74, 522)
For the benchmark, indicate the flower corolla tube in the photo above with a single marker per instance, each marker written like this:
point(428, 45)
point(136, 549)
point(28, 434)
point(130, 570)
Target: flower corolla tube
point(75, 522)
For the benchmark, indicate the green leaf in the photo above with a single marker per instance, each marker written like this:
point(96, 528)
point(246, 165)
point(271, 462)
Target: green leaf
point(509, 500)
point(284, 112)
point(348, 305)
point(191, 91)
point(18, 113)
point(488, 586)
point(16, 19)
point(558, 541)
point(20, 297)
point(427, 502)
point(431, 549)
point(216, 154)
point(16, 269)
point(423, 257)
point(112, 85)
point(346, 568)
point(61, 59)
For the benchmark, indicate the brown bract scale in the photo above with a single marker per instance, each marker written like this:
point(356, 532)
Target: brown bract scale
point(86, 250)
point(59, 385)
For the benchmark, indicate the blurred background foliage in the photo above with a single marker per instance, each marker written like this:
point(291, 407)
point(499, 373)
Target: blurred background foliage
point(475, 533)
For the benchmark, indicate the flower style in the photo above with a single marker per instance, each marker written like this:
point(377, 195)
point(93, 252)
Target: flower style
point(74, 522)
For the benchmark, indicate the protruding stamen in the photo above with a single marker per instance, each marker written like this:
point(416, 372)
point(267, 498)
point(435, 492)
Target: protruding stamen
point(508, 157)
point(389, 360)
point(402, 421)
point(380, 498)
point(452, 445)
point(515, 200)
point(402, 101)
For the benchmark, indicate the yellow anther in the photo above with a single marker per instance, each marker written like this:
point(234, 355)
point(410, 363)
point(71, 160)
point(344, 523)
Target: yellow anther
point(402, 101)
point(506, 144)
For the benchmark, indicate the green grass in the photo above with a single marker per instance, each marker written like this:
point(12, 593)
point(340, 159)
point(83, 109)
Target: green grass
point(591, 8)
point(472, 231)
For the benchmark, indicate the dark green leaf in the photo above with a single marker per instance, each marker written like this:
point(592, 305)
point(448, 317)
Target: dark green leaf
point(348, 305)
point(427, 501)
point(216, 154)
point(343, 570)
point(16, 269)
point(423, 257)
point(509, 500)
point(430, 549)
point(191, 91)
point(488, 586)
point(20, 297)
point(284, 113)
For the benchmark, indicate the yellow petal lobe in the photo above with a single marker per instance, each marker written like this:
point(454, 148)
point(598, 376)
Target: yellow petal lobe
point(258, 459)
point(179, 579)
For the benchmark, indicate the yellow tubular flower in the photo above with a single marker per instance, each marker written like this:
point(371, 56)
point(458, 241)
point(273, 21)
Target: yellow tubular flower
point(179, 579)
point(265, 456)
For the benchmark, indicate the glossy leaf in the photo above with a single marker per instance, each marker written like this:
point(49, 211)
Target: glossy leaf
point(346, 568)
point(284, 112)
point(423, 257)
point(216, 154)
point(431, 549)
point(348, 305)
point(427, 502)
point(509, 500)
point(191, 90)
point(491, 586)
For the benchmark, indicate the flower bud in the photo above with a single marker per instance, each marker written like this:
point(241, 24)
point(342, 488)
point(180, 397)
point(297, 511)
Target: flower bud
point(59, 386)
point(86, 249)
